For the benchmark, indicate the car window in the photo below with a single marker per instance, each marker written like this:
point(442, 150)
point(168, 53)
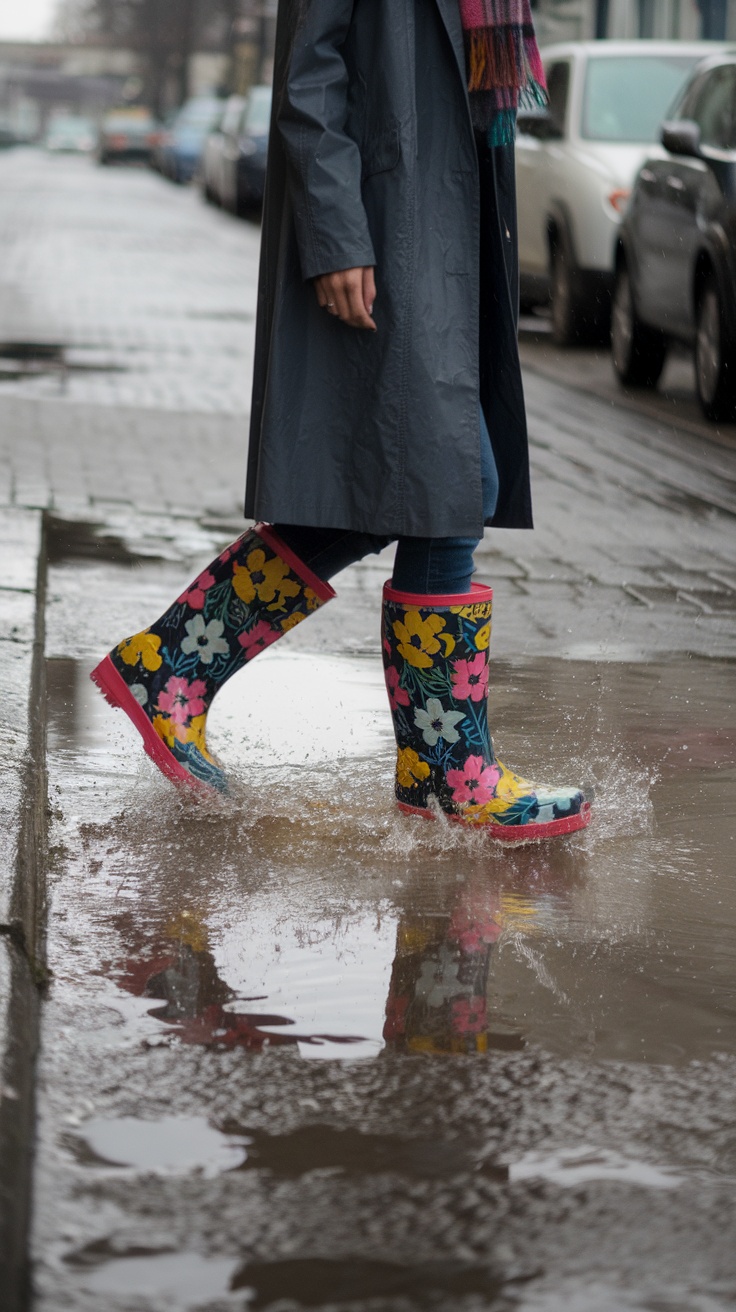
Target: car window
point(258, 111)
point(715, 109)
point(558, 87)
point(200, 113)
point(627, 96)
point(233, 111)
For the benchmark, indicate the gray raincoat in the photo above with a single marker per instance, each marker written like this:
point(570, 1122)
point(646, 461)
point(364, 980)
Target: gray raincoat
point(373, 161)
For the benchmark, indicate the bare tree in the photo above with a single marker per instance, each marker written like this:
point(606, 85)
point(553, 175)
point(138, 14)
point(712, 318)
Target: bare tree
point(164, 33)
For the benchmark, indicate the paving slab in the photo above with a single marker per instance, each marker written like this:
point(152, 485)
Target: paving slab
point(297, 1051)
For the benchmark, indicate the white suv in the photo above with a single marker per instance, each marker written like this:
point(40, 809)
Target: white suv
point(575, 166)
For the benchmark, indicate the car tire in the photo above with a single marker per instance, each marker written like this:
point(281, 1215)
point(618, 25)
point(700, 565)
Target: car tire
point(715, 362)
point(638, 352)
point(570, 323)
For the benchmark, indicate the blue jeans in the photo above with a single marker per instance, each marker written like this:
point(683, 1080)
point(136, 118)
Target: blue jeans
point(422, 565)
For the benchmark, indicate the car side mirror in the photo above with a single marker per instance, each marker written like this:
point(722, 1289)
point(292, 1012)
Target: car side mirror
point(539, 123)
point(681, 138)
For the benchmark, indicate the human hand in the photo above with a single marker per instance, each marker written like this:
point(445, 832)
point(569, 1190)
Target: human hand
point(348, 295)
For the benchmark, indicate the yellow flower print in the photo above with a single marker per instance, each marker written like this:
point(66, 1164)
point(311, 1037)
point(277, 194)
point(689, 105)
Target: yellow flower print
point(165, 728)
point(413, 939)
point(195, 733)
point(186, 928)
point(508, 789)
point(143, 645)
point(268, 580)
point(409, 768)
point(483, 637)
point(420, 640)
point(311, 599)
point(291, 621)
point(481, 610)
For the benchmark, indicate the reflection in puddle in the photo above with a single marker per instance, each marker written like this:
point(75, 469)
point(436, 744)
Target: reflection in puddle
point(171, 1145)
point(416, 985)
point(582, 1165)
point(304, 913)
point(316, 1282)
point(355, 1152)
point(186, 1279)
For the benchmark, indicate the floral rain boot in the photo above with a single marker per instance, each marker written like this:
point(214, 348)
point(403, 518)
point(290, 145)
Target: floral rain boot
point(166, 677)
point(436, 666)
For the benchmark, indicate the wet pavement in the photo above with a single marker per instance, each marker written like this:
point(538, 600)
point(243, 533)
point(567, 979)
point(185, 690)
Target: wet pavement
point(299, 1051)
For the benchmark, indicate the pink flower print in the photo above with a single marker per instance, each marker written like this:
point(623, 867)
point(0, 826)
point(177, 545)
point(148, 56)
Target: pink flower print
point(181, 700)
point(397, 696)
point(469, 1015)
point(257, 639)
point(475, 782)
point(195, 593)
point(470, 678)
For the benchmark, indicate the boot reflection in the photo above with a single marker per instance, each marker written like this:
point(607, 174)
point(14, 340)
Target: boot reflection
point(437, 1000)
point(197, 1004)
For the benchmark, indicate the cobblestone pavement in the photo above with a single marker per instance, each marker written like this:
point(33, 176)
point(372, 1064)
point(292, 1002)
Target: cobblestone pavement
point(152, 293)
point(572, 1149)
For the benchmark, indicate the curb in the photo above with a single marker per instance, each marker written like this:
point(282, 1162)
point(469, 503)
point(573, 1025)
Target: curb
point(23, 816)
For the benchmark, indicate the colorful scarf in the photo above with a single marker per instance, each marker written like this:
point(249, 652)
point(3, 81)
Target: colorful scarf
point(504, 64)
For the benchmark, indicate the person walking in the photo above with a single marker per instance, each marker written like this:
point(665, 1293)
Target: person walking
point(387, 395)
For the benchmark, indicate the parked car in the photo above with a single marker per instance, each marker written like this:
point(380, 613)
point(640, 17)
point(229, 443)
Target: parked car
point(576, 162)
point(128, 134)
point(245, 154)
point(676, 252)
point(182, 141)
point(223, 136)
point(70, 134)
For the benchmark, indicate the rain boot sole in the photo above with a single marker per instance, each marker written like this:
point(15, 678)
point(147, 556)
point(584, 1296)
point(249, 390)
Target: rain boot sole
point(115, 691)
point(514, 833)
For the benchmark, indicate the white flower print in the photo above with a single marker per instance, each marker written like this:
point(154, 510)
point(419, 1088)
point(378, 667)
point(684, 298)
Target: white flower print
point(436, 723)
point(140, 692)
point(205, 639)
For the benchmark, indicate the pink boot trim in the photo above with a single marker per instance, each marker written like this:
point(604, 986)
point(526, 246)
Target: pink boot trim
point(514, 833)
point(115, 691)
point(478, 592)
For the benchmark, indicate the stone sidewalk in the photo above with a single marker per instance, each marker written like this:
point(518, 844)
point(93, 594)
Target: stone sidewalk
point(143, 432)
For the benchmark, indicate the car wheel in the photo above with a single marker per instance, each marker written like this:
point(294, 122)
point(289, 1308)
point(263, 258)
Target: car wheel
point(638, 352)
point(715, 364)
point(570, 323)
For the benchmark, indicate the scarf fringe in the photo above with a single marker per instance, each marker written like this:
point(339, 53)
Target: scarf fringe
point(504, 72)
point(503, 59)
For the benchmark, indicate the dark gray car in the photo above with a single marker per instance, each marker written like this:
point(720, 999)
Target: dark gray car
point(676, 255)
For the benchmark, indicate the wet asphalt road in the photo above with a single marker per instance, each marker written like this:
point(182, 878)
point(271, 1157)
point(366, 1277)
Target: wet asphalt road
point(299, 1051)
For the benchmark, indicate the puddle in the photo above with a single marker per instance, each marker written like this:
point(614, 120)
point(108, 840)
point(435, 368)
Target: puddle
point(185, 1280)
point(583, 1165)
point(344, 1048)
point(27, 360)
point(303, 913)
point(173, 1145)
point(315, 1282)
point(354, 1153)
point(77, 539)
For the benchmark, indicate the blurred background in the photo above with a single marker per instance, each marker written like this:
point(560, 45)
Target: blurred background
point(83, 57)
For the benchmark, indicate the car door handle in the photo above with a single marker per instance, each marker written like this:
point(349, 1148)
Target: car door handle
point(675, 183)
